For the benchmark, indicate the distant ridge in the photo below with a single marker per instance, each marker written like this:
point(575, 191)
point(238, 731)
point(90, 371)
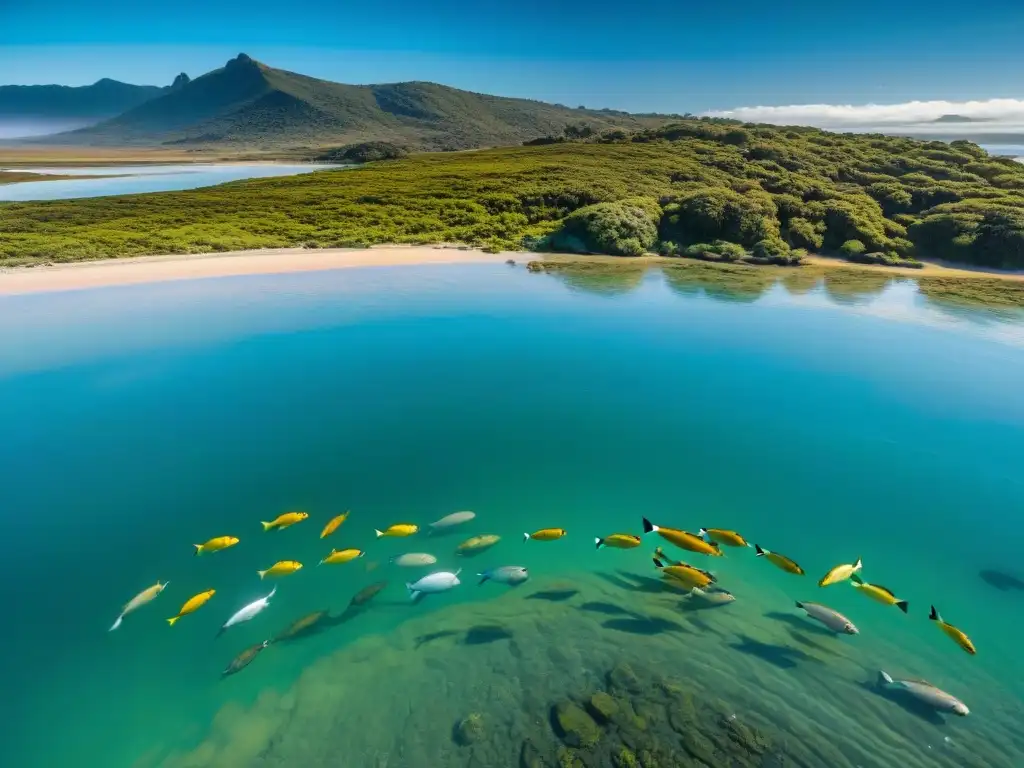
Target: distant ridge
point(248, 103)
point(103, 99)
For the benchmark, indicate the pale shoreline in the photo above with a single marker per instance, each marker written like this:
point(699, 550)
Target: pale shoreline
point(81, 275)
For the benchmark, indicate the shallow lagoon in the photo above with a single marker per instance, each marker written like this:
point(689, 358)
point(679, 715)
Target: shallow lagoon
point(823, 420)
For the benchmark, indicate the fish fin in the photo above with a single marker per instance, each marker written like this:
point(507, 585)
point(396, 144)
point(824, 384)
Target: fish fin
point(117, 623)
point(649, 526)
point(856, 580)
point(934, 615)
point(262, 574)
point(272, 593)
point(361, 553)
point(220, 632)
point(526, 537)
point(483, 577)
point(598, 542)
point(799, 604)
point(884, 679)
point(760, 552)
point(658, 563)
point(199, 549)
point(858, 565)
point(379, 533)
point(171, 621)
point(266, 526)
point(902, 605)
point(702, 532)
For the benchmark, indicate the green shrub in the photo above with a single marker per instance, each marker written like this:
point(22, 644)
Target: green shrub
point(622, 228)
point(852, 248)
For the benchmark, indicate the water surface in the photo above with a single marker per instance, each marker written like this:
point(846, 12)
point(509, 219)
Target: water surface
point(824, 421)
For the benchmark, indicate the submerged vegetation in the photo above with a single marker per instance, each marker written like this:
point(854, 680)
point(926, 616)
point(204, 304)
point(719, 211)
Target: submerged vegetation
point(714, 190)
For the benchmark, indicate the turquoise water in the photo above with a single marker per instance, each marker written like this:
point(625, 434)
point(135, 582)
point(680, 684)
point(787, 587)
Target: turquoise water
point(823, 425)
point(134, 179)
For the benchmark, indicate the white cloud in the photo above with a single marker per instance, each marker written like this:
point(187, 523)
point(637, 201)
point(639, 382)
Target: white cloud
point(996, 114)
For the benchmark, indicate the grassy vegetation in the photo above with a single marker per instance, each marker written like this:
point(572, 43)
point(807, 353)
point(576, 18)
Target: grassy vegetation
point(716, 190)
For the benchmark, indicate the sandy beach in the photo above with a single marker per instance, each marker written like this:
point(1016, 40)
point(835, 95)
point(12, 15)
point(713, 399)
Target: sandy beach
point(151, 269)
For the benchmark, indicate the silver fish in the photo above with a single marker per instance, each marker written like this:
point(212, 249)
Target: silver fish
point(441, 581)
point(711, 596)
point(927, 693)
point(450, 521)
point(512, 575)
point(249, 612)
point(831, 619)
point(413, 559)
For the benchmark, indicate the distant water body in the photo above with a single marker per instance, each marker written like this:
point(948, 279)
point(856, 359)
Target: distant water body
point(133, 179)
point(824, 423)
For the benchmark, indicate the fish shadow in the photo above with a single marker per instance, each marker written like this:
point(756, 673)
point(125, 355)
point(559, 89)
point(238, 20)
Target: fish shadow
point(607, 609)
point(422, 640)
point(484, 634)
point(644, 625)
point(800, 624)
point(554, 595)
point(1004, 582)
point(635, 583)
point(782, 656)
point(905, 701)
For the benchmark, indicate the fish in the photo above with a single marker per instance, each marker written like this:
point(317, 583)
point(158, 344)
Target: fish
point(413, 559)
point(215, 545)
point(340, 556)
point(249, 612)
point(779, 561)
point(477, 544)
point(513, 575)
point(955, 634)
point(660, 554)
point(281, 568)
point(450, 521)
point(398, 530)
point(545, 534)
point(724, 536)
point(244, 659)
point(685, 574)
point(299, 626)
point(618, 541)
point(831, 619)
point(840, 573)
point(711, 596)
point(332, 524)
point(441, 581)
point(284, 521)
point(366, 594)
point(145, 596)
point(684, 539)
point(192, 604)
point(877, 592)
point(926, 692)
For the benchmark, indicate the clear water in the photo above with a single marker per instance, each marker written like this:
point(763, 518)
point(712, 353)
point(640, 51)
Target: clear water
point(824, 425)
point(134, 179)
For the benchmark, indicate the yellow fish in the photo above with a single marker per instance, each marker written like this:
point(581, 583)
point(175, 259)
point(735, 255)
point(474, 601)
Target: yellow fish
point(193, 604)
point(398, 530)
point(955, 634)
point(216, 545)
point(285, 520)
point(281, 568)
point(878, 593)
point(341, 556)
point(779, 561)
point(332, 526)
point(687, 575)
point(684, 539)
point(618, 541)
point(723, 536)
point(840, 573)
point(545, 534)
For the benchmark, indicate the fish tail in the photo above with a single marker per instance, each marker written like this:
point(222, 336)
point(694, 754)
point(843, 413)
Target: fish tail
point(483, 577)
point(598, 542)
point(858, 565)
point(884, 679)
point(117, 623)
point(902, 605)
point(649, 526)
point(322, 561)
point(702, 532)
point(799, 604)
point(934, 615)
point(760, 552)
point(199, 549)
point(171, 621)
point(856, 580)
point(272, 592)
point(379, 533)
point(526, 537)
point(362, 553)
point(658, 563)
point(219, 632)
point(266, 526)
point(262, 574)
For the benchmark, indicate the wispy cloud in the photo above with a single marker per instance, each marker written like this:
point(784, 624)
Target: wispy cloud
point(992, 115)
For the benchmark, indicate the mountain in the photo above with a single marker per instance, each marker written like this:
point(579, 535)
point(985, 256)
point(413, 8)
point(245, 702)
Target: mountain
point(248, 103)
point(33, 110)
point(959, 119)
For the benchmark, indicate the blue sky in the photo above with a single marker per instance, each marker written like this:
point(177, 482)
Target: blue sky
point(652, 55)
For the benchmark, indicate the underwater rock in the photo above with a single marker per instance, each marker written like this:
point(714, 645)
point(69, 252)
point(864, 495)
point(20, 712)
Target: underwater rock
point(575, 727)
point(469, 729)
point(625, 758)
point(622, 678)
point(531, 757)
point(602, 706)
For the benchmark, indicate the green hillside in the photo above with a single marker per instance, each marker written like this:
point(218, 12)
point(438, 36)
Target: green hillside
point(714, 190)
point(247, 103)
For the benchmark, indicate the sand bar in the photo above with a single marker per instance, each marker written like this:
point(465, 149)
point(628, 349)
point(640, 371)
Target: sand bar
point(151, 269)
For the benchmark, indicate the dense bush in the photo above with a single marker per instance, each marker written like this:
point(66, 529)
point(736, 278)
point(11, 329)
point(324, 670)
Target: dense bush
point(366, 152)
point(622, 228)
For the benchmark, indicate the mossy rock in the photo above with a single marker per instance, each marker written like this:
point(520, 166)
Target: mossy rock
point(469, 730)
point(700, 746)
point(625, 758)
point(603, 707)
point(531, 757)
point(568, 759)
point(575, 727)
point(622, 678)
